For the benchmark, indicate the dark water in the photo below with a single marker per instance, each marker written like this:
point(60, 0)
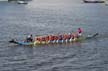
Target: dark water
point(17, 21)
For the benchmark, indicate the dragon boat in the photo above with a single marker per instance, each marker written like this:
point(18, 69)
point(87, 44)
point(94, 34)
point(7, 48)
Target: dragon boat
point(54, 41)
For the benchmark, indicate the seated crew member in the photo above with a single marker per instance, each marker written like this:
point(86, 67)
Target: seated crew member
point(69, 36)
point(37, 39)
point(72, 37)
point(51, 38)
point(60, 37)
point(75, 36)
point(46, 38)
point(29, 38)
point(64, 36)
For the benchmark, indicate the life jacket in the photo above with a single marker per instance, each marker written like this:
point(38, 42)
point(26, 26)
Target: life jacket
point(43, 38)
point(60, 37)
point(65, 36)
point(37, 39)
point(40, 38)
point(46, 38)
point(55, 37)
point(51, 37)
point(69, 36)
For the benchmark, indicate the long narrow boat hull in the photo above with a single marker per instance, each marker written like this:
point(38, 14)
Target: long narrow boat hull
point(52, 42)
point(45, 42)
